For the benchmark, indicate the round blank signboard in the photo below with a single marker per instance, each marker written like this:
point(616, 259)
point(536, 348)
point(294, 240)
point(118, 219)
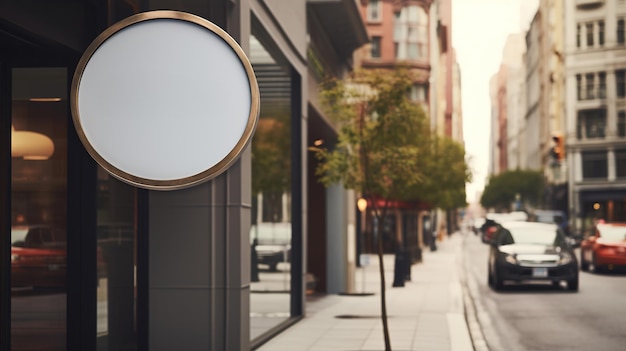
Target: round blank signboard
point(164, 100)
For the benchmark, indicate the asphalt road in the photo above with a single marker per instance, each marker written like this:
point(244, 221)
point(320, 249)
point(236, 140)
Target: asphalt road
point(542, 317)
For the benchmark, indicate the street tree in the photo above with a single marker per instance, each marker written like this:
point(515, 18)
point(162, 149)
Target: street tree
point(384, 149)
point(502, 189)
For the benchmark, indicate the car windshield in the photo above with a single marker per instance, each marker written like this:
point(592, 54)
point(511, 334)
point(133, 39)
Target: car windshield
point(612, 234)
point(18, 236)
point(531, 236)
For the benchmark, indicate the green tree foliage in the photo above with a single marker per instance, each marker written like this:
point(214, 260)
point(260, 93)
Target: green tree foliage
point(502, 188)
point(447, 173)
point(385, 149)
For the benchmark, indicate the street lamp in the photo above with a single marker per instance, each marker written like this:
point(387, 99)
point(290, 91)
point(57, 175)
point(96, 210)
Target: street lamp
point(361, 204)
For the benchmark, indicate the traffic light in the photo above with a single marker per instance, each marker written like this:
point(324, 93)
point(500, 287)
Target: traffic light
point(558, 151)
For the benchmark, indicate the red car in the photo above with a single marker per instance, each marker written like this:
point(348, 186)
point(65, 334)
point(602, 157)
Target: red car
point(38, 256)
point(605, 248)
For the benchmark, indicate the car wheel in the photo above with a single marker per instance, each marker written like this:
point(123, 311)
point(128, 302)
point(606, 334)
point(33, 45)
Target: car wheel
point(572, 284)
point(498, 284)
point(594, 264)
point(584, 265)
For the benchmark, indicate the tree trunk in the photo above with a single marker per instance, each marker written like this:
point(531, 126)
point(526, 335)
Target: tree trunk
point(383, 299)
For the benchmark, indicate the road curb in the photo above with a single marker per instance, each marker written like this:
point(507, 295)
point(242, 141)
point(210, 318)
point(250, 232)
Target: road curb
point(471, 318)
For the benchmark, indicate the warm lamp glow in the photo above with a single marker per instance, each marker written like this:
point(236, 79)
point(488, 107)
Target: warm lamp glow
point(30, 145)
point(361, 204)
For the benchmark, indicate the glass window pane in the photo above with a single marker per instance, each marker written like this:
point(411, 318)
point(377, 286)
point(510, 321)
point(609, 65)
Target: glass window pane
point(375, 50)
point(116, 258)
point(38, 208)
point(594, 165)
point(270, 230)
point(620, 163)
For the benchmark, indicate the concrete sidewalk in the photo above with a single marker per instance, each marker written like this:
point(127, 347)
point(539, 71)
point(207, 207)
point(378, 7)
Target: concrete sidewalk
point(428, 313)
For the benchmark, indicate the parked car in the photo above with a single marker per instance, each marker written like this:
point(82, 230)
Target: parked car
point(550, 216)
point(272, 243)
point(529, 251)
point(38, 256)
point(605, 248)
point(491, 223)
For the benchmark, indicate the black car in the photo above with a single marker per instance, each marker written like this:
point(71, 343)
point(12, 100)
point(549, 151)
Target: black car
point(531, 251)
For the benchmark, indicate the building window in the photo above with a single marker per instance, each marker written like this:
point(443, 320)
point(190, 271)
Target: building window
point(418, 93)
point(621, 124)
point(375, 48)
point(411, 33)
point(374, 11)
point(620, 82)
point(591, 124)
point(594, 165)
point(589, 86)
point(272, 188)
point(38, 208)
point(601, 33)
point(621, 32)
point(620, 163)
point(589, 28)
point(578, 30)
point(601, 85)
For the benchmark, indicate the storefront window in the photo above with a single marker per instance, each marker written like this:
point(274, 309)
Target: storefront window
point(116, 261)
point(38, 208)
point(270, 232)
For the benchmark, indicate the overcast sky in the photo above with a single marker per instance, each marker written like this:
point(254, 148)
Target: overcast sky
point(479, 31)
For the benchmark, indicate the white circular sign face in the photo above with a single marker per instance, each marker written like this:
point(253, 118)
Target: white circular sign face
point(164, 100)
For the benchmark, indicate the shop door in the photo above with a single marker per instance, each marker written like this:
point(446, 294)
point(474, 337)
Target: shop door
point(38, 207)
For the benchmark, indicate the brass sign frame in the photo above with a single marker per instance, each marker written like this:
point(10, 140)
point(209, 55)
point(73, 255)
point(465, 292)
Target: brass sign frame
point(169, 184)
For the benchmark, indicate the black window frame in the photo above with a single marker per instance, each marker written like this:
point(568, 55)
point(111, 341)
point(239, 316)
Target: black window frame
point(594, 165)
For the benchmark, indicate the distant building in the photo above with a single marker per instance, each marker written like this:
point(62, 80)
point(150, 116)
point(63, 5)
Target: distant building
point(595, 74)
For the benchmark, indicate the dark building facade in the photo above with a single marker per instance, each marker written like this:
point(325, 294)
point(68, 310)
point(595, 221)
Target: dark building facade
point(88, 262)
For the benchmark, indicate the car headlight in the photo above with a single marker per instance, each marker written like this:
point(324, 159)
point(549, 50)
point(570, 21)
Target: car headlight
point(565, 258)
point(510, 259)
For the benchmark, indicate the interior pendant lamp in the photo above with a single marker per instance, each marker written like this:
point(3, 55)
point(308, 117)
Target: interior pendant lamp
point(30, 145)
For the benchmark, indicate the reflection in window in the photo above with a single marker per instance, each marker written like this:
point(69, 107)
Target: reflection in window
point(594, 164)
point(116, 260)
point(38, 208)
point(270, 231)
point(621, 32)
